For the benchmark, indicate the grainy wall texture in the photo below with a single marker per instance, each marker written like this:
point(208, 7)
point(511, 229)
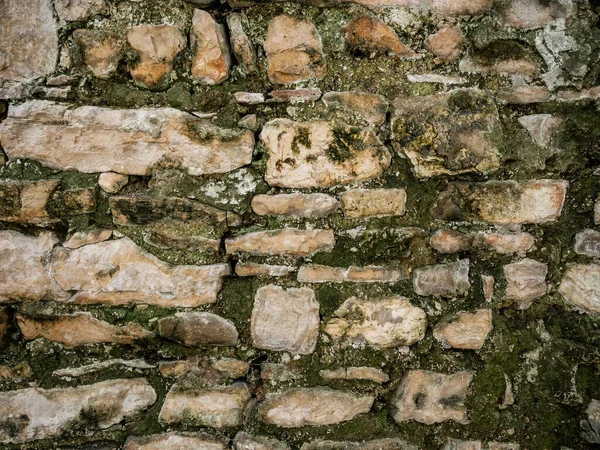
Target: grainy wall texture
point(324, 225)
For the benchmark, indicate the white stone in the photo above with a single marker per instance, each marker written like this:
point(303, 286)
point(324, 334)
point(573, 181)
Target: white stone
point(580, 287)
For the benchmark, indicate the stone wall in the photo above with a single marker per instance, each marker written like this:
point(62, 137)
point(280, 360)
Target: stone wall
point(327, 225)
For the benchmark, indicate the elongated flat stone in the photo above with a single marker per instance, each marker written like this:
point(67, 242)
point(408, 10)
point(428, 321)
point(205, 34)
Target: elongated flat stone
point(174, 441)
point(296, 205)
point(299, 407)
point(119, 272)
point(315, 273)
point(377, 444)
point(289, 241)
point(128, 141)
point(198, 328)
point(443, 280)
point(31, 414)
point(373, 202)
point(321, 154)
point(217, 407)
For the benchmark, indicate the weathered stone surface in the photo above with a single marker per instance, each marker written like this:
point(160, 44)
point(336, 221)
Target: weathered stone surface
point(112, 182)
point(174, 441)
point(146, 209)
point(464, 330)
point(216, 407)
point(212, 60)
point(72, 372)
point(72, 10)
point(487, 283)
point(356, 373)
point(266, 270)
point(435, 78)
point(446, 43)
point(249, 98)
point(93, 139)
point(378, 444)
point(384, 323)
point(242, 48)
point(592, 93)
point(531, 14)
point(450, 241)
point(592, 424)
point(279, 372)
point(296, 205)
point(458, 444)
point(372, 107)
point(541, 127)
point(299, 407)
point(101, 51)
point(285, 320)
point(29, 40)
point(503, 64)
point(194, 329)
point(580, 287)
point(321, 154)
point(505, 243)
point(23, 272)
point(288, 241)
point(18, 372)
point(33, 413)
point(81, 238)
point(80, 328)
point(315, 273)
point(436, 145)
point(26, 201)
point(231, 367)
point(526, 281)
point(431, 397)
point(119, 272)
point(163, 237)
point(373, 202)
point(245, 441)
point(503, 202)
point(294, 51)
point(587, 242)
point(156, 47)
point(370, 34)
point(443, 280)
point(597, 211)
point(524, 94)
point(295, 96)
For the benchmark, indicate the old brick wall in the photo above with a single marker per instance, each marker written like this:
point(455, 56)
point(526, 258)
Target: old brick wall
point(327, 225)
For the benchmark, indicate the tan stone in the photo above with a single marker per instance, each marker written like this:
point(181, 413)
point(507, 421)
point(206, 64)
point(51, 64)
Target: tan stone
point(299, 407)
point(81, 238)
point(592, 93)
point(23, 270)
point(522, 67)
point(73, 372)
point(435, 145)
point(372, 107)
point(296, 205)
point(119, 272)
point(72, 10)
point(174, 441)
point(288, 241)
point(217, 407)
point(505, 244)
point(321, 154)
point(156, 47)
point(48, 413)
point(79, 200)
point(370, 34)
point(26, 201)
point(503, 202)
point(92, 139)
point(280, 372)
point(580, 287)
point(450, 241)
point(17, 372)
point(101, 51)
point(285, 319)
point(464, 330)
point(245, 441)
point(174, 369)
point(112, 182)
point(531, 14)
point(526, 281)
point(431, 397)
point(315, 273)
point(295, 96)
point(458, 444)
point(28, 41)
point(244, 269)
point(212, 60)
point(373, 202)
point(446, 43)
point(194, 329)
point(443, 280)
point(80, 328)
point(242, 48)
point(384, 323)
point(232, 368)
point(294, 51)
point(356, 373)
point(487, 283)
point(524, 94)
